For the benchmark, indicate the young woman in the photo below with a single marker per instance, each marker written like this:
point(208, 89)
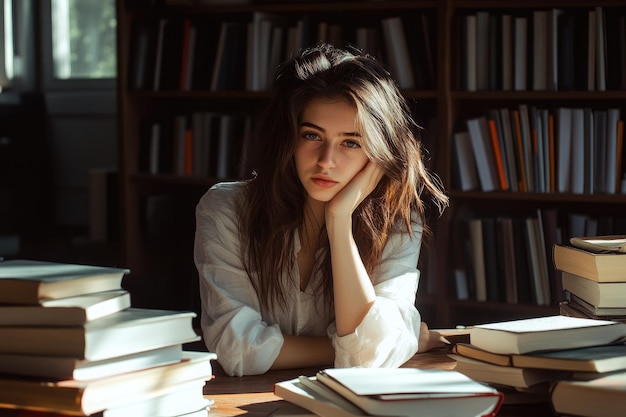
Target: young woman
point(313, 261)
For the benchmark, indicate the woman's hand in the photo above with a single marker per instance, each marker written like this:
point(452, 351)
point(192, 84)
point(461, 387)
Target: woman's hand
point(429, 339)
point(362, 185)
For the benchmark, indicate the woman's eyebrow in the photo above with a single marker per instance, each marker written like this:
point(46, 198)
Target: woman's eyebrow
point(314, 126)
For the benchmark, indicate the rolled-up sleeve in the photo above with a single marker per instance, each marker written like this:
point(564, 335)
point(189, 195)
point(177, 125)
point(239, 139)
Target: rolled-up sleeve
point(388, 335)
point(231, 322)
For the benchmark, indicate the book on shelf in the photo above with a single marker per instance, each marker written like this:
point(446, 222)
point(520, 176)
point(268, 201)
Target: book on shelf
point(493, 258)
point(520, 53)
point(601, 397)
point(85, 398)
point(69, 311)
point(600, 267)
point(230, 62)
point(540, 49)
point(142, 55)
point(509, 376)
point(67, 367)
point(398, 53)
point(545, 333)
point(466, 172)
point(187, 55)
point(126, 332)
point(598, 294)
point(478, 261)
point(345, 392)
point(31, 281)
point(469, 36)
point(478, 129)
point(483, 54)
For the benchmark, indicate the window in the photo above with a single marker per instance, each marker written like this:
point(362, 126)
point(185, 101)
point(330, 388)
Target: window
point(81, 53)
point(83, 39)
point(16, 45)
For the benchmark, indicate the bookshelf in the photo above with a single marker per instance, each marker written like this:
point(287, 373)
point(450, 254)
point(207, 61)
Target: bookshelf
point(158, 205)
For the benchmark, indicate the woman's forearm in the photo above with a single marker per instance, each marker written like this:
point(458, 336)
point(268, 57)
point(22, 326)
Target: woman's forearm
point(305, 351)
point(353, 289)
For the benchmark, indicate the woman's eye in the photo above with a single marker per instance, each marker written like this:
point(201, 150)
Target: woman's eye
point(352, 144)
point(310, 136)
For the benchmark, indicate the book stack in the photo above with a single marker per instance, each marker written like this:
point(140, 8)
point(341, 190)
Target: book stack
point(594, 277)
point(71, 344)
point(350, 392)
point(547, 355)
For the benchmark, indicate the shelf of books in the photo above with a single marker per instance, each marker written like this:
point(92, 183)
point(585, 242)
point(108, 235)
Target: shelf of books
point(193, 77)
point(521, 104)
point(536, 147)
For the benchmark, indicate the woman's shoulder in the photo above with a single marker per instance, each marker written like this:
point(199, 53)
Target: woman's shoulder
point(223, 195)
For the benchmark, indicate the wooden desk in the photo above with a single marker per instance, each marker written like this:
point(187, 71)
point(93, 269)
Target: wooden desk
point(252, 396)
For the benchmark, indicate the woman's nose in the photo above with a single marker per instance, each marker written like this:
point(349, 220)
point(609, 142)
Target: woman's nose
point(326, 157)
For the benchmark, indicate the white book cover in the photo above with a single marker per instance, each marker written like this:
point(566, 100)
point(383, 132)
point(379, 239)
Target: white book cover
point(398, 51)
point(466, 162)
point(545, 333)
point(483, 151)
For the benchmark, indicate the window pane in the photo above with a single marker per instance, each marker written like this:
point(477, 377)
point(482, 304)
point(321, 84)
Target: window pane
point(83, 38)
point(6, 44)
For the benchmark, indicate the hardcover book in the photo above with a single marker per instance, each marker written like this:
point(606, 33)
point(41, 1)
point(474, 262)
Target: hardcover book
point(545, 333)
point(601, 267)
point(601, 397)
point(129, 331)
point(64, 367)
point(30, 281)
point(84, 398)
point(70, 311)
point(385, 391)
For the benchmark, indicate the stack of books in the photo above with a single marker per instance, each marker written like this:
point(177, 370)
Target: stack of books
point(594, 277)
point(544, 356)
point(71, 344)
point(352, 392)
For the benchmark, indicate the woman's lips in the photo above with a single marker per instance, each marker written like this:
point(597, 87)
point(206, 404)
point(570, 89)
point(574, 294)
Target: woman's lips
point(323, 182)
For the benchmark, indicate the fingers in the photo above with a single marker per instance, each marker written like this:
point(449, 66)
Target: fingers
point(429, 339)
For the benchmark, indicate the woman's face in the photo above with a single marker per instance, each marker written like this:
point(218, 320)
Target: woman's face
point(329, 150)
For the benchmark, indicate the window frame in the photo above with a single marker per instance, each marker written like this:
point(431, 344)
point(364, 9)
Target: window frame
point(52, 83)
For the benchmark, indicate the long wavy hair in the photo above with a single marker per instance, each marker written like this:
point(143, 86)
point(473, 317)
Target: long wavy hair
point(274, 205)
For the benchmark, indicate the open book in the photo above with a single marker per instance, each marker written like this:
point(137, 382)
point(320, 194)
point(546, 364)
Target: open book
point(350, 392)
point(601, 244)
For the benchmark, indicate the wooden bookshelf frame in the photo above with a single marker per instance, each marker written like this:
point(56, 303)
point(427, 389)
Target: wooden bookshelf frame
point(440, 306)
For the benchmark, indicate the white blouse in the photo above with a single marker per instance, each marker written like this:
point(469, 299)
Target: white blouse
point(247, 338)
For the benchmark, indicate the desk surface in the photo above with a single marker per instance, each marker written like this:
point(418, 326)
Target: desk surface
point(252, 396)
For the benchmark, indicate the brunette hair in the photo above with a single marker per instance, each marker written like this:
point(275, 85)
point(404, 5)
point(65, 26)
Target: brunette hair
point(274, 205)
